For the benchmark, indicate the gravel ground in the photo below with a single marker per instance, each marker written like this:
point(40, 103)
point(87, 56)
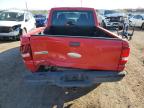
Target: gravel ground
point(14, 93)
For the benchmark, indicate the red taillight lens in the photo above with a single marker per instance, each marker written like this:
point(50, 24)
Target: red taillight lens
point(124, 56)
point(125, 52)
point(26, 52)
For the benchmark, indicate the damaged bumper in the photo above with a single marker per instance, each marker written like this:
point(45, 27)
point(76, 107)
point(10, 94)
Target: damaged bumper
point(72, 78)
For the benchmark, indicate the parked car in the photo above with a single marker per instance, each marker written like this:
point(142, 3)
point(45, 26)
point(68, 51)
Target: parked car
point(112, 19)
point(73, 50)
point(40, 20)
point(137, 21)
point(14, 23)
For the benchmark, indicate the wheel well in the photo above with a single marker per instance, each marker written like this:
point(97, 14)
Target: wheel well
point(21, 31)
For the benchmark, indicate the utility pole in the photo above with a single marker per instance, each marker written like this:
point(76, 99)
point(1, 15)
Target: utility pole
point(81, 3)
point(26, 5)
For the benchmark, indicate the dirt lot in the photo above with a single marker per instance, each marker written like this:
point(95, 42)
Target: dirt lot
point(14, 93)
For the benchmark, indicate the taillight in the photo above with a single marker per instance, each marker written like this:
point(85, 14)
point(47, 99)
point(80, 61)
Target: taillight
point(26, 52)
point(124, 56)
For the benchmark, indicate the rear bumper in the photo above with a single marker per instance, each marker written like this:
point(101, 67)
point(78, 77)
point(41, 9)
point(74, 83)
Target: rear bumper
point(73, 78)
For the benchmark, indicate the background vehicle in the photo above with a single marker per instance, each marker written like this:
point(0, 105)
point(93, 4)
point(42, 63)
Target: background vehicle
point(137, 21)
point(127, 32)
point(112, 18)
point(130, 15)
point(0, 11)
point(13, 23)
point(73, 50)
point(40, 20)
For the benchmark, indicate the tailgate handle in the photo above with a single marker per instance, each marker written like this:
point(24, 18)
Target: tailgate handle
point(74, 44)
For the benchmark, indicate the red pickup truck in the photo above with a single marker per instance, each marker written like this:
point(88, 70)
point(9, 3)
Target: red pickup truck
point(73, 50)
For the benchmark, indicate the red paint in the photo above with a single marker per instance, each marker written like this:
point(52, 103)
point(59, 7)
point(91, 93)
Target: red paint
point(96, 53)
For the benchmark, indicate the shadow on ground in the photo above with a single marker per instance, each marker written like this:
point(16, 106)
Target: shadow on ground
point(15, 94)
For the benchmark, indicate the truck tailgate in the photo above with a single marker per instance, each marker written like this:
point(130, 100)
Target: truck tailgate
point(76, 52)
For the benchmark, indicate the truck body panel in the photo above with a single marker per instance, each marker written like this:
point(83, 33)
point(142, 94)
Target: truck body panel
point(93, 54)
point(70, 50)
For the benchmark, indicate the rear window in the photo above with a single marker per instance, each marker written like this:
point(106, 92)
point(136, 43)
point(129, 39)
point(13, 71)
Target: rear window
point(72, 23)
point(72, 18)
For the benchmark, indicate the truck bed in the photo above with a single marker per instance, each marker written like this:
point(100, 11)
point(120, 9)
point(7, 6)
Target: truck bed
point(78, 31)
point(99, 52)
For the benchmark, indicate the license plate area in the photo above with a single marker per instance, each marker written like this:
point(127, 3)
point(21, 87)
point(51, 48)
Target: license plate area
point(74, 77)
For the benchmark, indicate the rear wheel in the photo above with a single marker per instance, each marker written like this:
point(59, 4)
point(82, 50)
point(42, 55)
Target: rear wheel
point(120, 27)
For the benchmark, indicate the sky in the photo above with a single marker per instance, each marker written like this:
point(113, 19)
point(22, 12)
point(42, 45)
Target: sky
point(47, 4)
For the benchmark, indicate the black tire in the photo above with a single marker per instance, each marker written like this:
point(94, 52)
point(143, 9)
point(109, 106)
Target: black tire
point(120, 27)
point(142, 27)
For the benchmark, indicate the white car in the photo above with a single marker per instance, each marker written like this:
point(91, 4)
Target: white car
point(14, 23)
point(137, 21)
point(112, 18)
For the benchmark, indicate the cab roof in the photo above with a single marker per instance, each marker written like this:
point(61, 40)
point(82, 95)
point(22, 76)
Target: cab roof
point(72, 8)
point(13, 10)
